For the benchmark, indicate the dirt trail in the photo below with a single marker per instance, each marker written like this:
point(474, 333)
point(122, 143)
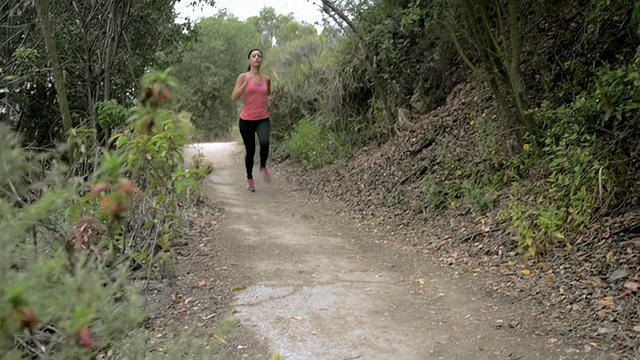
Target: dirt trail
point(317, 289)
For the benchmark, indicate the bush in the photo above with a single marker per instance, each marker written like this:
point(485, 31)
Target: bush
point(67, 246)
point(57, 298)
point(313, 146)
point(582, 167)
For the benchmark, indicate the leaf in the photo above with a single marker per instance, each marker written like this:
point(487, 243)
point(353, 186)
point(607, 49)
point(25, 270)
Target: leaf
point(202, 283)
point(607, 301)
point(221, 340)
point(238, 288)
point(422, 281)
point(558, 235)
point(525, 272)
point(275, 357)
point(633, 286)
point(299, 318)
point(609, 257)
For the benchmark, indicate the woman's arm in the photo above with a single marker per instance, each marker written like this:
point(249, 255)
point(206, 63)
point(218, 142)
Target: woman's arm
point(241, 83)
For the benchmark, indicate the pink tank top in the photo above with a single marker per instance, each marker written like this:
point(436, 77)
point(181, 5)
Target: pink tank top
point(254, 106)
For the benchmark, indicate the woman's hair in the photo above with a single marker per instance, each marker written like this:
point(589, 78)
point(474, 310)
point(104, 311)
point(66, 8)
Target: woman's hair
point(249, 57)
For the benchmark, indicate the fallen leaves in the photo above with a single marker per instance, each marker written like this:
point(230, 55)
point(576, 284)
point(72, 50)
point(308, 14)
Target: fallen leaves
point(238, 288)
point(221, 340)
point(633, 286)
point(298, 317)
point(607, 301)
point(275, 357)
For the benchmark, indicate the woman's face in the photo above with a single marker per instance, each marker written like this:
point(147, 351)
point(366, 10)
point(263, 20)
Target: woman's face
point(255, 59)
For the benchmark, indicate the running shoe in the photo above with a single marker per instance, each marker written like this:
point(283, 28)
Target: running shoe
point(265, 174)
point(251, 186)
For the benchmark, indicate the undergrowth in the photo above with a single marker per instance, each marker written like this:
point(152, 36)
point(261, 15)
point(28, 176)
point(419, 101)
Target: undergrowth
point(473, 178)
point(71, 241)
point(562, 180)
point(313, 146)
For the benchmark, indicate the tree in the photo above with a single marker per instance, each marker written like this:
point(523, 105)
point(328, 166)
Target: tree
point(42, 7)
point(279, 29)
point(494, 30)
point(379, 84)
point(209, 67)
point(102, 46)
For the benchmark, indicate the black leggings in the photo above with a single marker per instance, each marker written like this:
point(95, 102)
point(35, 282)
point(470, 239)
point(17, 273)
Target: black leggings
point(248, 130)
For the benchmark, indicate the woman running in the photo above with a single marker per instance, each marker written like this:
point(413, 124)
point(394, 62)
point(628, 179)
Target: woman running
point(255, 89)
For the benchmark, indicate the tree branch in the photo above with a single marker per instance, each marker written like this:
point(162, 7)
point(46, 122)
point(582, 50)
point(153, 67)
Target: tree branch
point(42, 9)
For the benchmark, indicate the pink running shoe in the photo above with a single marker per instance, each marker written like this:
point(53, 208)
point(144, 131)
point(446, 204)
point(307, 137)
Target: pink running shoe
point(265, 174)
point(251, 185)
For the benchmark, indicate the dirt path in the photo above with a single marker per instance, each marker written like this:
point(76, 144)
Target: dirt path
point(318, 289)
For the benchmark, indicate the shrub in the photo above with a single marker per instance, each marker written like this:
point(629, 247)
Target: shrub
point(67, 246)
point(313, 146)
point(468, 173)
point(57, 298)
point(582, 165)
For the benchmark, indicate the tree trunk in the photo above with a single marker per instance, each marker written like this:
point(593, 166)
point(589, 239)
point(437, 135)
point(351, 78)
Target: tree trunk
point(500, 50)
point(42, 8)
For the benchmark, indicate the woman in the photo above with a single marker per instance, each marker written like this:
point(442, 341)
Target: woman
point(255, 89)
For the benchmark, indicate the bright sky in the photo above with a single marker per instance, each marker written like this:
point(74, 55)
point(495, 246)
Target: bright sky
point(302, 9)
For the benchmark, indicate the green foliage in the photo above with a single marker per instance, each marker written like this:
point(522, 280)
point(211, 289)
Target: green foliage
point(150, 154)
point(302, 76)
point(202, 165)
point(579, 169)
point(67, 246)
point(493, 31)
point(111, 115)
point(584, 161)
point(65, 290)
point(313, 146)
point(209, 67)
point(104, 49)
point(567, 51)
point(469, 173)
point(401, 58)
point(414, 55)
point(278, 29)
